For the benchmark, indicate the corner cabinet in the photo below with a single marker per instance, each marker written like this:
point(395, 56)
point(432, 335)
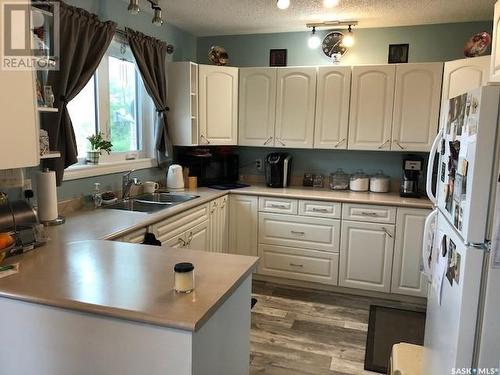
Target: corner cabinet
point(218, 105)
point(257, 112)
point(243, 224)
point(416, 106)
point(495, 46)
point(295, 107)
point(332, 107)
point(372, 98)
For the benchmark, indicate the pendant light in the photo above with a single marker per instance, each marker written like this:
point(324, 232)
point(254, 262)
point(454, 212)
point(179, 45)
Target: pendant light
point(348, 40)
point(314, 40)
point(157, 20)
point(283, 4)
point(133, 6)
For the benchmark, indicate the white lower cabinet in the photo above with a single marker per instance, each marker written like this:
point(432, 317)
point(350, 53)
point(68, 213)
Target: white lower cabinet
point(243, 225)
point(407, 277)
point(366, 256)
point(197, 238)
point(218, 225)
point(299, 264)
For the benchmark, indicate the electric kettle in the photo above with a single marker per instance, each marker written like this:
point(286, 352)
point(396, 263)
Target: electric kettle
point(175, 177)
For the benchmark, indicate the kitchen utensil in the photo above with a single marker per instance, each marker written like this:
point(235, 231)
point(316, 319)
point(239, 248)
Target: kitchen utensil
point(175, 178)
point(359, 181)
point(339, 180)
point(380, 183)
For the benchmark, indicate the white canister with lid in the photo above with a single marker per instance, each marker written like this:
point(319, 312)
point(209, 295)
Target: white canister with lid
point(359, 181)
point(380, 183)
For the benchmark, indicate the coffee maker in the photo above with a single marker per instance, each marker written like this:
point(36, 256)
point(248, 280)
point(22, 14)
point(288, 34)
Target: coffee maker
point(412, 167)
point(278, 169)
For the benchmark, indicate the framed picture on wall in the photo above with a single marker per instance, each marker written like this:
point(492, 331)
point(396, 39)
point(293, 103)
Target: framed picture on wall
point(277, 57)
point(398, 53)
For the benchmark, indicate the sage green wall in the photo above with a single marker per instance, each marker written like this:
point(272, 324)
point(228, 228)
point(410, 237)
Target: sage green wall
point(441, 42)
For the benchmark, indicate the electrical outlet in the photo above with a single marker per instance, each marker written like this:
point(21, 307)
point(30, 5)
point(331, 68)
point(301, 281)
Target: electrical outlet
point(258, 164)
point(11, 178)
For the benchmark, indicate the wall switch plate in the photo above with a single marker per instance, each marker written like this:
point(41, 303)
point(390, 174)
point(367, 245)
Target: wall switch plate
point(11, 178)
point(258, 164)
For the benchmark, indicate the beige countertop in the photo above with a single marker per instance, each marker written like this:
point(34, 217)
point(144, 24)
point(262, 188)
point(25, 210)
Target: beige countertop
point(133, 282)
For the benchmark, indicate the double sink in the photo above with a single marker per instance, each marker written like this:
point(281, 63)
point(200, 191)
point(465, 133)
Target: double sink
point(151, 202)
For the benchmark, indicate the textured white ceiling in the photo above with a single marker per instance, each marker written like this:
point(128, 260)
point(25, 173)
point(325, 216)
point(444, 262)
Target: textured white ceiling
point(224, 17)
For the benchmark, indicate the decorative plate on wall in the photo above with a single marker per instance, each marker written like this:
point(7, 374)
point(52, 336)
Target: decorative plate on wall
point(218, 55)
point(332, 46)
point(477, 44)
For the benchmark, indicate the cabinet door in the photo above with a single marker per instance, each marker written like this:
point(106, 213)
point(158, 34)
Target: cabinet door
point(218, 105)
point(495, 46)
point(460, 76)
point(406, 275)
point(372, 99)
point(19, 141)
point(198, 237)
point(177, 242)
point(257, 107)
point(223, 224)
point(416, 106)
point(295, 107)
point(332, 107)
point(214, 237)
point(243, 225)
point(366, 256)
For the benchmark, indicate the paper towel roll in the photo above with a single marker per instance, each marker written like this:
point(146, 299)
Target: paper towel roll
point(46, 195)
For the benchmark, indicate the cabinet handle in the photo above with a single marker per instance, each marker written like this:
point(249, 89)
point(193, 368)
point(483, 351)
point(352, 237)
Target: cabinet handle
point(370, 214)
point(182, 242)
point(339, 143)
point(204, 138)
point(387, 232)
point(190, 238)
point(298, 233)
point(323, 210)
point(268, 140)
point(281, 142)
point(296, 265)
point(280, 206)
point(399, 145)
point(383, 144)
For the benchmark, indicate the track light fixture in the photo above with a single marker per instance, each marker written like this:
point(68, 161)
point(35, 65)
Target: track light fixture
point(283, 4)
point(133, 8)
point(314, 40)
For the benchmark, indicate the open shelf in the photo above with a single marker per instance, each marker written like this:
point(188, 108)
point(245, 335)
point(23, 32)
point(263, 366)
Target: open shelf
point(51, 155)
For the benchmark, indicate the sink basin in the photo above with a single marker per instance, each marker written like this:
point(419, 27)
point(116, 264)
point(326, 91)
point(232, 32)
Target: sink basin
point(150, 203)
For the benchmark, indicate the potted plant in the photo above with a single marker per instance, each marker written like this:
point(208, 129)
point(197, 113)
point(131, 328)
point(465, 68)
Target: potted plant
point(97, 145)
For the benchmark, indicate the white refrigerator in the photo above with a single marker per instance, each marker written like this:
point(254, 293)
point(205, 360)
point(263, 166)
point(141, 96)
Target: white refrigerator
point(463, 313)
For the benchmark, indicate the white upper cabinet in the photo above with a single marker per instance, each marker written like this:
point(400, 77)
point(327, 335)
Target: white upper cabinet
point(218, 105)
point(332, 107)
point(257, 110)
point(416, 106)
point(495, 46)
point(372, 98)
point(460, 76)
point(19, 142)
point(295, 107)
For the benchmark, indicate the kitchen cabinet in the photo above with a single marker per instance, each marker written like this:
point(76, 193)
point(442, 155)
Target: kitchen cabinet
point(19, 142)
point(372, 98)
point(243, 224)
point(218, 105)
point(416, 106)
point(295, 107)
point(136, 236)
point(332, 107)
point(218, 225)
point(460, 76)
point(196, 238)
point(407, 277)
point(366, 253)
point(495, 46)
point(257, 107)
point(203, 102)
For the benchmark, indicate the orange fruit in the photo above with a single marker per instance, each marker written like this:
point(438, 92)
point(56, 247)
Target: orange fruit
point(6, 241)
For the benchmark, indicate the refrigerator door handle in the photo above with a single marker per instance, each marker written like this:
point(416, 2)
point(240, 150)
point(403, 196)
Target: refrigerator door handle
point(428, 243)
point(430, 166)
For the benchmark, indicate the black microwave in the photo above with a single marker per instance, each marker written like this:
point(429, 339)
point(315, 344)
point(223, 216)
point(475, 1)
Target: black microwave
point(212, 168)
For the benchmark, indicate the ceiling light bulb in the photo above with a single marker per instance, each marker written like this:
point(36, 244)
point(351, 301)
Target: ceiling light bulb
point(330, 3)
point(157, 20)
point(314, 40)
point(133, 6)
point(348, 40)
point(283, 4)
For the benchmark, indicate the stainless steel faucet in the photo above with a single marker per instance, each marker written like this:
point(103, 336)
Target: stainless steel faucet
point(127, 183)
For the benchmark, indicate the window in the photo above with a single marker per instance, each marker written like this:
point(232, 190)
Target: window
point(115, 103)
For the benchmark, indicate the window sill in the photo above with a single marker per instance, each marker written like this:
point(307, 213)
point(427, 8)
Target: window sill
point(84, 171)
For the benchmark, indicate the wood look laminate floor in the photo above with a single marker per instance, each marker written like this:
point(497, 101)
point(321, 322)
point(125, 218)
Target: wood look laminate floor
point(302, 331)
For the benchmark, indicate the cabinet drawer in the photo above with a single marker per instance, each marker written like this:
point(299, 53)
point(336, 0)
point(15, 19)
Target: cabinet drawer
point(173, 226)
point(278, 205)
point(298, 264)
point(320, 209)
point(298, 231)
point(366, 212)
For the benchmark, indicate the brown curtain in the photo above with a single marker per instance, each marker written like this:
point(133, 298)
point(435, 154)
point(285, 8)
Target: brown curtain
point(83, 42)
point(150, 56)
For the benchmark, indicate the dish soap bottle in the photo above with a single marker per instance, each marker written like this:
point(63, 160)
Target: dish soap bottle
point(97, 195)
